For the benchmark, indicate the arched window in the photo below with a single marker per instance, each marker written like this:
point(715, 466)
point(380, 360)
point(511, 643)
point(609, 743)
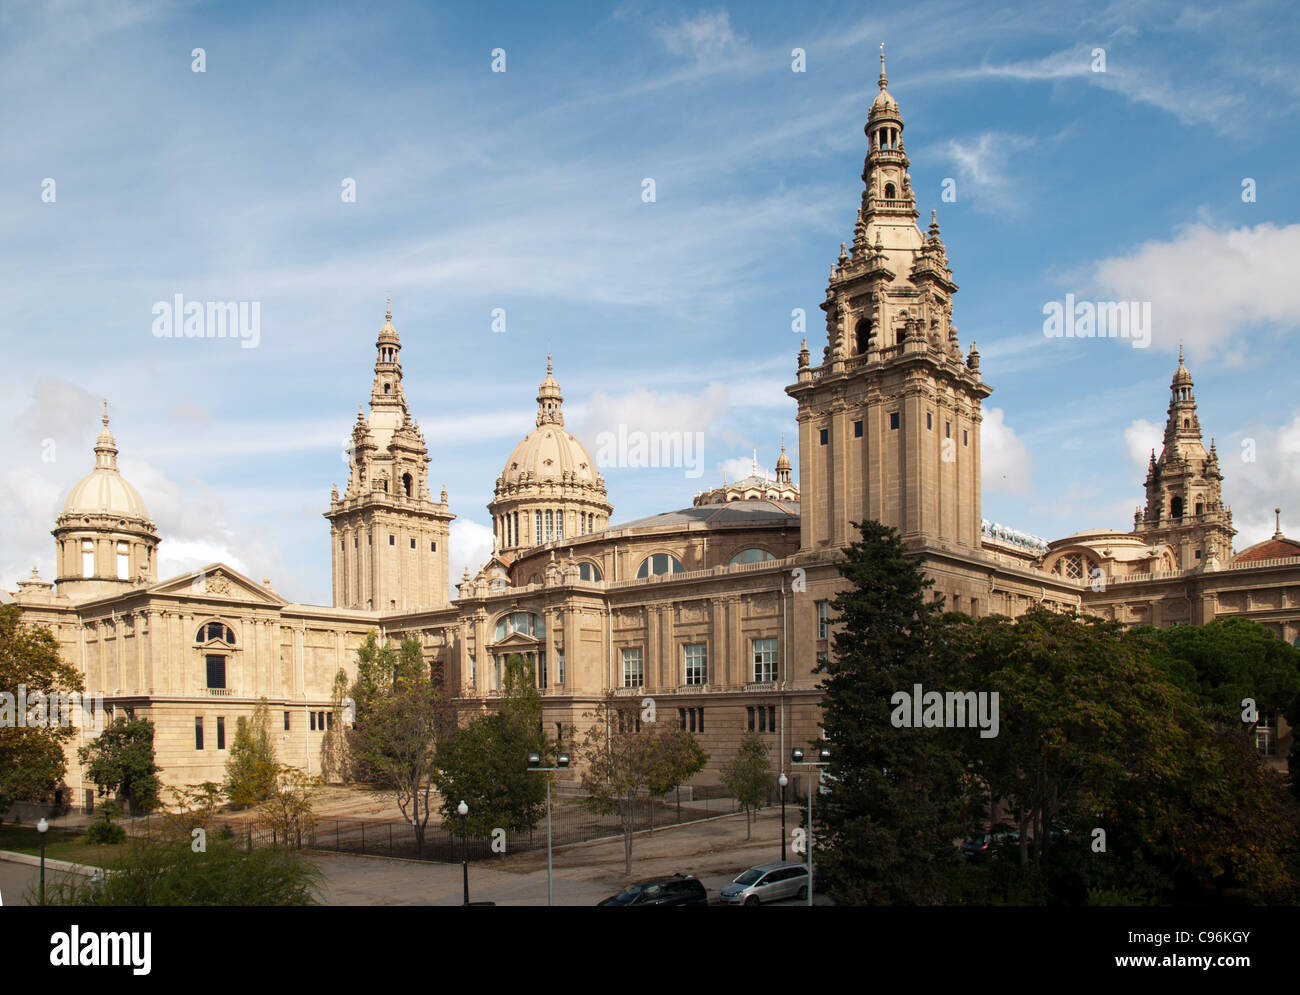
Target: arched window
point(589, 571)
point(215, 631)
point(889, 191)
point(406, 484)
point(754, 555)
point(1176, 509)
point(864, 333)
point(388, 389)
point(660, 564)
point(525, 623)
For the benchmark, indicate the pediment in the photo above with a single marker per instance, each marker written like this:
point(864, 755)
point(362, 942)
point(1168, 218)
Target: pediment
point(218, 582)
point(517, 639)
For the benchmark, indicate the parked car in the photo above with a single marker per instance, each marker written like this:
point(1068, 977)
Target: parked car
point(990, 845)
point(678, 889)
point(767, 883)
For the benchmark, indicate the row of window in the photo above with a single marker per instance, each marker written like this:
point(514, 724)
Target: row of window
point(766, 716)
point(695, 663)
point(392, 541)
point(695, 716)
point(318, 722)
point(895, 422)
point(88, 559)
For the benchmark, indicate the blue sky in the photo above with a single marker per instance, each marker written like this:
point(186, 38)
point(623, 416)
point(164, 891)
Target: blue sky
point(522, 190)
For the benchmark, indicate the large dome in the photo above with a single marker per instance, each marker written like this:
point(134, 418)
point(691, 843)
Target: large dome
point(549, 453)
point(103, 491)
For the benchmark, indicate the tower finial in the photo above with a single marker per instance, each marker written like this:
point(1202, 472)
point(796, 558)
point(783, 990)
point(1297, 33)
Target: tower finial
point(388, 309)
point(1180, 354)
point(1277, 518)
point(105, 418)
point(883, 81)
point(548, 364)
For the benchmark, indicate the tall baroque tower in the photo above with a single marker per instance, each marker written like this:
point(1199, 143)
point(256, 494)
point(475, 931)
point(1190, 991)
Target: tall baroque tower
point(550, 487)
point(388, 537)
point(889, 420)
point(1185, 506)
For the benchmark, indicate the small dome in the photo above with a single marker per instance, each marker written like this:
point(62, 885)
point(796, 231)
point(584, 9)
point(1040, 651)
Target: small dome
point(103, 491)
point(388, 334)
point(1182, 376)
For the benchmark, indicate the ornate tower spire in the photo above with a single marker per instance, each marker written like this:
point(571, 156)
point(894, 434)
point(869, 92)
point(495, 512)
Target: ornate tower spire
point(550, 401)
point(105, 446)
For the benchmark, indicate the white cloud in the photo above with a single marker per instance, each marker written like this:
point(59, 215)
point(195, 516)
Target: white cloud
point(1253, 488)
point(1141, 437)
point(646, 410)
point(703, 37)
point(982, 168)
point(1004, 460)
point(470, 546)
point(1208, 286)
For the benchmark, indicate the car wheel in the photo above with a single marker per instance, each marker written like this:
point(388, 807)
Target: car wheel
point(751, 902)
point(803, 894)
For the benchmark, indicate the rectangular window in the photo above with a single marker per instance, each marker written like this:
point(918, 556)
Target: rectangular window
point(857, 430)
point(764, 660)
point(559, 525)
point(541, 669)
point(681, 715)
point(633, 674)
point(559, 667)
point(550, 525)
point(1266, 734)
point(825, 436)
point(329, 720)
point(216, 671)
point(537, 535)
point(965, 437)
point(198, 732)
point(342, 545)
point(947, 430)
point(496, 672)
point(87, 558)
point(412, 543)
point(823, 619)
point(221, 732)
point(974, 608)
point(821, 657)
point(701, 719)
point(762, 720)
point(311, 719)
point(123, 562)
point(433, 547)
point(929, 420)
point(696, 657)
point(771, 718)
point(392, 540)
point(750, 710)
point(893, 419)
point(692, 711)
point(286, 721)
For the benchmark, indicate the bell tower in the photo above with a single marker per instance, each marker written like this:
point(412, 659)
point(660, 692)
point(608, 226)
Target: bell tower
point(388, 537)
point(1184, 506)
point(889, 419)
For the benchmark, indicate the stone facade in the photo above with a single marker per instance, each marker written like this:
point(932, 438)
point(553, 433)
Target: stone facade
point(717, 610)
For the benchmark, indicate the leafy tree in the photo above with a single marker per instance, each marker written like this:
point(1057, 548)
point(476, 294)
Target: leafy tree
point(623, 760)
point(288, 811)
point(747, 775)
point(334, 743)
point(121, 760)
point(251, 767)
point(900, 795)
point(32, 762)
point(400, 719)
point(485, 763)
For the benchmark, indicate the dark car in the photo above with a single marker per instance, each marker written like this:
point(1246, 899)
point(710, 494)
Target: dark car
point(680, 889)
point(990, 845)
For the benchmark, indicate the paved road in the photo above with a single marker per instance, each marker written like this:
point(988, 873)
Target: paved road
point(16, 878)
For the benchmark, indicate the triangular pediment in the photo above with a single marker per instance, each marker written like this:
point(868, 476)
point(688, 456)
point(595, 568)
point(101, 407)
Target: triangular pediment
point(218, 582)
point(517, 639)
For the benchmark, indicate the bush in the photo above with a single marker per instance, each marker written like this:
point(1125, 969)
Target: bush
point(103, 831)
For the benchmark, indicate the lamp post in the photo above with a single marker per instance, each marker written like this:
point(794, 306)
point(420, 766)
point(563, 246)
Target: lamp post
point(797, 760)
point(535, 764)
point(783, 781)
point(42, 827)
point(463, 811)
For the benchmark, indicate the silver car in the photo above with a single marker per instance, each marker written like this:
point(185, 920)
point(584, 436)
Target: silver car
point(767, 883)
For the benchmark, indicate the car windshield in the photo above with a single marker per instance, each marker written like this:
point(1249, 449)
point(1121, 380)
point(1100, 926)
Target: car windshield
point(627, 897)
point(749, 877)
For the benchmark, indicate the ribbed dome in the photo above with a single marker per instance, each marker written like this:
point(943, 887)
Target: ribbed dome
point(549, 453)
point(103, 491)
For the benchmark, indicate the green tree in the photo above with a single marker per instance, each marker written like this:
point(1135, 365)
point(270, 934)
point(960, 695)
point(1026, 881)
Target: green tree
point(485, 763)
point(747, 775)
point(624, 760)
point(288, 811)
point(334, 757)
point(400, 720)
point(32, 762)
point(251, 767)
point(899, 795)
point(121, 760)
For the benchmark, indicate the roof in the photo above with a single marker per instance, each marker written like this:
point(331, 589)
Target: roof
point(1275, 548)
point(731, 513)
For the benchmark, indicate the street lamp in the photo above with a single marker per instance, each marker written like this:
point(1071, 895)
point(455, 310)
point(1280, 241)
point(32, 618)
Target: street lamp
point(463, 811)
point(783, 781)
point(797, 760)
point(42, 827)
point(535, 764)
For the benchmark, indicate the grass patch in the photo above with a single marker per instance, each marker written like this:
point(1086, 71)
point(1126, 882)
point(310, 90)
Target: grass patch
point(60, 844)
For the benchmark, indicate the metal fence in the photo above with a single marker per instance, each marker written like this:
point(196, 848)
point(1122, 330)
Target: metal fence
point(571, 822)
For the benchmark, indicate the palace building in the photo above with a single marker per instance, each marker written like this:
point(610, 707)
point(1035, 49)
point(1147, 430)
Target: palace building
point(718, 610)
